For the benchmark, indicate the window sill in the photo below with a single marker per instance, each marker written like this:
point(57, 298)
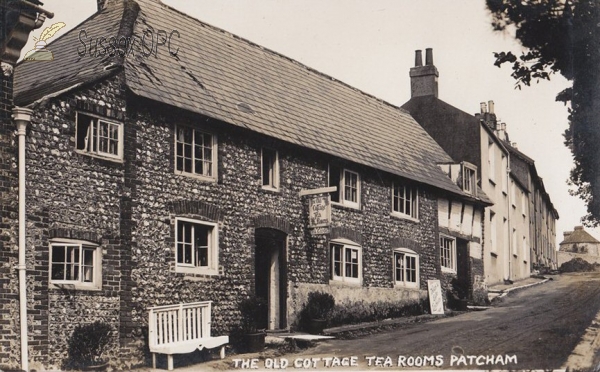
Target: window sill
point(492, 182)
point(270, 189)
point(448, 270)
point(412, 286)
point(339, 282)
point(196, 176)
point(346, 206)
point(494, 254)
point(515, 255)
point(196, 271)
point(75, 286)
point(92, 155)
point(404, 217)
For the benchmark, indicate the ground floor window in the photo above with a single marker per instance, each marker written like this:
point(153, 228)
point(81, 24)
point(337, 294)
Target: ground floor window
point(196, 245)
point(406, 268)
point(448, 253)
point(76, 263)
point(346, 262)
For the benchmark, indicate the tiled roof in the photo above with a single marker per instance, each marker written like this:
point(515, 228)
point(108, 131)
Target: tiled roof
point(579, 236)
point(223, 76)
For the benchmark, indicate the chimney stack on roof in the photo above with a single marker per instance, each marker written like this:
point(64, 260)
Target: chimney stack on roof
point(418, 58)
point(578, 227)
point(429, 57)
point(483, 107)
point(567, 233)
point(491, 106)
point(424, 79)
point(101, 4)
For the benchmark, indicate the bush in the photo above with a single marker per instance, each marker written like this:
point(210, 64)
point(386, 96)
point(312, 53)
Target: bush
point(253, 309)
point(359, 312)
point(319, 305)
point(88, 343)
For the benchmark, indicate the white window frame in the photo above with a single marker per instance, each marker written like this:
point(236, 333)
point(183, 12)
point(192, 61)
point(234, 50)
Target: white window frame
point(504, 174)
point(451, 257)
point(273, 182)
point(213, 248)
point(82, 246)
point(342, 187)
point(345, 245)
point(469, 177)
point(513, 194)
point(414, 204)
point(493, 232)
point(214, 149)
point(491, 162)
point(523, 204)
point(406, 254)
point(91, 148)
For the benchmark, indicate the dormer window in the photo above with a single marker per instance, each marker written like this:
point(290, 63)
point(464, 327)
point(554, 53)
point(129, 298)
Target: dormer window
point(469, 178)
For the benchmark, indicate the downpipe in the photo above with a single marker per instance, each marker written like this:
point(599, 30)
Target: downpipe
point(22, 117)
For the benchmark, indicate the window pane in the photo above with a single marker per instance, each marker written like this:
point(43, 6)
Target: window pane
point(334, 180)
point(337, 260)
point(399, 263)
point(58, 271)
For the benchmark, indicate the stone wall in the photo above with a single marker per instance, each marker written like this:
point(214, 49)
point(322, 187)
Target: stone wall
point(568, 256)
point(129, 207)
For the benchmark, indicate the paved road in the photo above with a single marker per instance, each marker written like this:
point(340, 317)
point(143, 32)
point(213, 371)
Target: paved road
point(538, 326)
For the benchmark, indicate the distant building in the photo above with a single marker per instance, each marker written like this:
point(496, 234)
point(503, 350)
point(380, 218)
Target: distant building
point(580, 241)
point(515, 231)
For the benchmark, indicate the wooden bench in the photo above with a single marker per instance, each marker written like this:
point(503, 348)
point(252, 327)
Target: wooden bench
point(181, 329)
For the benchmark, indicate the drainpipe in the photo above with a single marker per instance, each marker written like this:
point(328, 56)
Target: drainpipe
point(22, 117)
point(509, 210)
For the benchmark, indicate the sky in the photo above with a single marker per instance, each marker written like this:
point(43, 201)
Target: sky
point(371, 45)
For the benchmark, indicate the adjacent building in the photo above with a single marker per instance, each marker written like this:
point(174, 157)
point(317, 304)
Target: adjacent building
point(580, 241)
point(208, 168)
point(519, 226)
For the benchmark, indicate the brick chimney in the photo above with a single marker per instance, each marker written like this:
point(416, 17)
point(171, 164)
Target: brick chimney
point(424, 79)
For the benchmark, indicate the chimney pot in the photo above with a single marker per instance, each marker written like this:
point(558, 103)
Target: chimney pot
point(418, 58)
point(503, 126)
point(491, 106)
point(483, 107)
point(429, 57)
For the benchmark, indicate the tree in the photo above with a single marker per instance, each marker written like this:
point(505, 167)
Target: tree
point(562, 36)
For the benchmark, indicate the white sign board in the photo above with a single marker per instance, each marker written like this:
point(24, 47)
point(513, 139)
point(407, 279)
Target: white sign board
point(436, 302)
point(319, 211)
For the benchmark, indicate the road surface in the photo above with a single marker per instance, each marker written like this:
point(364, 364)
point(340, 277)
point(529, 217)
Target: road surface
point(537, 327)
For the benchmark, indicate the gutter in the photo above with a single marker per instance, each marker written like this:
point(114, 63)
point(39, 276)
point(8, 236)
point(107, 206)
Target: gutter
point(22, 117)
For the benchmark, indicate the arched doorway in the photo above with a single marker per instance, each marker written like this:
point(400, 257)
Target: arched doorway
point(270, 274)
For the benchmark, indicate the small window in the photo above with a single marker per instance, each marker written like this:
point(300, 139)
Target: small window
point(196, 246)
point(270, 169)
point(348, 186)
point(493, 231)
point(75, 263)
point(504, 178)
point(99, 137)
point(405, 200)
point(469, 176)
point(406, 268)
point(491, 161)
point(346, 262)
point(514, 242)
point(448, 253)
point(513, 194)
point(195, 152)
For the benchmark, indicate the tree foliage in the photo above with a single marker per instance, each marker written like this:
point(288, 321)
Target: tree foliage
point(562, 36)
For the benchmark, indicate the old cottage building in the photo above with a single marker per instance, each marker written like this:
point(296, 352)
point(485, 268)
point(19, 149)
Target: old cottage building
point(519, 226)
point(185, 171)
